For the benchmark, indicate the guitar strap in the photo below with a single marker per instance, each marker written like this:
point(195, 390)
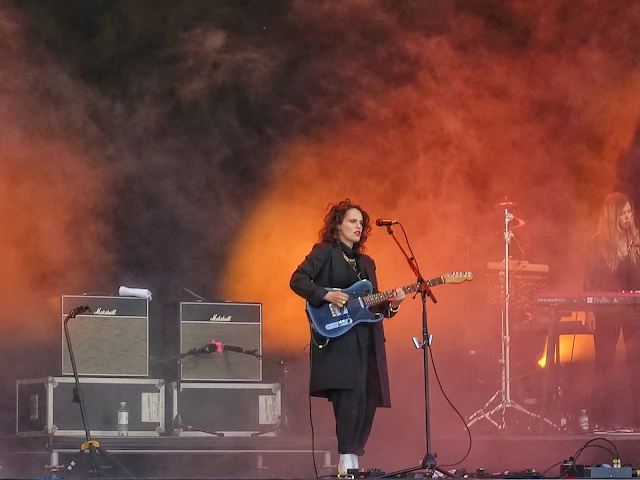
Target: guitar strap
point(318, 340)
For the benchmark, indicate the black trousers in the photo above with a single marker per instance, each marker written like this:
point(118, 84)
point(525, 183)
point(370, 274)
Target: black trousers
point(608, 394)
point(354, 409)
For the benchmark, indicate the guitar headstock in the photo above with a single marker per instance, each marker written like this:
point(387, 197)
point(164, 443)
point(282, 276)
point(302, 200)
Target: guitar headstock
point(457, 277)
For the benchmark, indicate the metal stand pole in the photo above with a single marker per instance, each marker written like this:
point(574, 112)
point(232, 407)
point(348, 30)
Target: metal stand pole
point(504, 394)
point(92, 446)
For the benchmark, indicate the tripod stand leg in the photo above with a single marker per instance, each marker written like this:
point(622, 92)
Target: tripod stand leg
point(115, 462)
point(95, 450)
point(486, 405)
point(428, 463)
point(486, 416)
point(520, 408)
point(482, 413)
point(91, 446)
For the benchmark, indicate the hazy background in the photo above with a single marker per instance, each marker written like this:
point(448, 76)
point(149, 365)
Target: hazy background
point(197, 144)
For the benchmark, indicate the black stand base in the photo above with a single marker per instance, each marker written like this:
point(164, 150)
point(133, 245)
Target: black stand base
point(180, 425)
point(428, 463)
point(101, 460)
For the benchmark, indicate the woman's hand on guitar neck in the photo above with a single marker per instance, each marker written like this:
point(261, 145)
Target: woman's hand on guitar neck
point(336, 297)
point(398, 297)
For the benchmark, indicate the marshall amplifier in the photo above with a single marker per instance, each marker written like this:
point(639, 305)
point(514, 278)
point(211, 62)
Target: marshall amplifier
point(225, 340)
point(110, 340)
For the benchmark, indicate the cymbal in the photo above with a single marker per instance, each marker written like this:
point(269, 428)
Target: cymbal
point(506, 203)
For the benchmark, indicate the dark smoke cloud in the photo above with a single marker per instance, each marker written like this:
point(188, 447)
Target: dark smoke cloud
point(180, 128)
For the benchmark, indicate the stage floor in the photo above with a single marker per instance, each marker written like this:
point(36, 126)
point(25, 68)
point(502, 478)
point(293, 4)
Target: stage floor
point(290, 456)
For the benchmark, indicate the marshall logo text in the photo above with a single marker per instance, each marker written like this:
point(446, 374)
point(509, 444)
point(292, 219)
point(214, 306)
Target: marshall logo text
point(220, 318)
point(104, 311)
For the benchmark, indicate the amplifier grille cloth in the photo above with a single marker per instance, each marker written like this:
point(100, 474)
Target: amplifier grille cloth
point(107, 345)
point(227, 365)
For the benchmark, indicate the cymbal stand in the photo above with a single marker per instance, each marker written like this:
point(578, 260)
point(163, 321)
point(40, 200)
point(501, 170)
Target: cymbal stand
point(488, 412)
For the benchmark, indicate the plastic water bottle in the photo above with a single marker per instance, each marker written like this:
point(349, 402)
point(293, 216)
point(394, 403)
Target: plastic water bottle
point(583, 420)
point(123, 420)
point(563, 422)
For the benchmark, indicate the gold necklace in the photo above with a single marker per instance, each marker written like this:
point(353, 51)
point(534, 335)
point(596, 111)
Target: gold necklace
point(352, 263)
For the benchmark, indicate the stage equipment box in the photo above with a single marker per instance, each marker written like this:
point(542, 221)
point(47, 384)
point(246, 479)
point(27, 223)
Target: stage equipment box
point(48, 406)
point(233, 409)
point(112, 339)
point(237, 326)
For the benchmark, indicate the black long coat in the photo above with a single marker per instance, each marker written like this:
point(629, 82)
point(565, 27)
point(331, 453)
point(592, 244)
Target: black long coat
point(338, 365)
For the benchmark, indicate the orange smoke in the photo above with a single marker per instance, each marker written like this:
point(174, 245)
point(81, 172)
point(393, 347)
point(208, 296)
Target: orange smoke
point(438, 150)
point(51, 238)
point(52, 201)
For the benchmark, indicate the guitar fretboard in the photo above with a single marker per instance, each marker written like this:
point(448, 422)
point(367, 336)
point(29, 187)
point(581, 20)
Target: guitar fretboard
point(381, 297)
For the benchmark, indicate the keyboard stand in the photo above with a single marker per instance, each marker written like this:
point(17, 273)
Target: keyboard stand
point(553, 365)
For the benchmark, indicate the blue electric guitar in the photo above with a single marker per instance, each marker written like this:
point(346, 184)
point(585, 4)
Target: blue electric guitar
point(331, 321)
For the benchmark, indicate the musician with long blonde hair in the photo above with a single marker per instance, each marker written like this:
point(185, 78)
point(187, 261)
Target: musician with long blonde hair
point(613, 265)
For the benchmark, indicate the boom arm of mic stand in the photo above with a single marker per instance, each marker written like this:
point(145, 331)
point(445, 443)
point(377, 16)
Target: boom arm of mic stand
point(414, 268)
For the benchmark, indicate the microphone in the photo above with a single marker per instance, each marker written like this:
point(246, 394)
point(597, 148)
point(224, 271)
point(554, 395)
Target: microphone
point(211, 348)
point(385, 223)
point(80, 309)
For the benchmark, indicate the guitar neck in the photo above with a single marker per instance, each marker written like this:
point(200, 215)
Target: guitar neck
point(381, 297)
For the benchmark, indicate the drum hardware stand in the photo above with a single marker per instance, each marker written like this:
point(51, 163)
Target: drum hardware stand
point(504, 394)
point(92, 446)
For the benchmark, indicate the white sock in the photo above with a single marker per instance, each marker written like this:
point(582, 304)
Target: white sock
point(344, 463)
point(354, 461)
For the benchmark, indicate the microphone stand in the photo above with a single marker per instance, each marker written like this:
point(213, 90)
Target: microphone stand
point(178, 423)
point(93, 446)
point(190, 292)
point(429, 459)
point(283, 421)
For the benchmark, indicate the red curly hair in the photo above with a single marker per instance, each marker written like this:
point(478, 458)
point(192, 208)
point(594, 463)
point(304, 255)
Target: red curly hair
point(330, 230)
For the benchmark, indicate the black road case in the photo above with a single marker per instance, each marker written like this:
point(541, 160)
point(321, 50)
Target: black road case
point(46, 406)
point(232, 409)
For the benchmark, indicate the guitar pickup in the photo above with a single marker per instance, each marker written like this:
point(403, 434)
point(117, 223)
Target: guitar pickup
point(335, 311)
